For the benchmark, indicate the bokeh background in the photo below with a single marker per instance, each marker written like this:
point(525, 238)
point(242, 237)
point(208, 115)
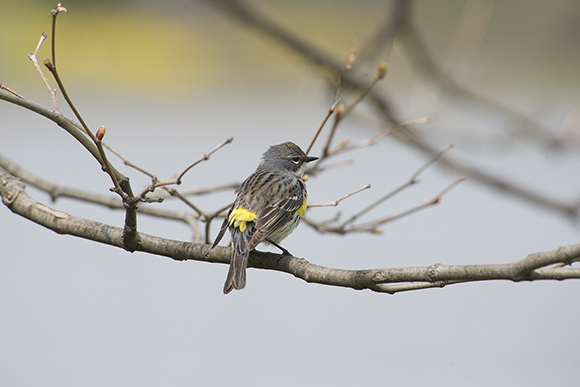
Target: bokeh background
point(171, 80)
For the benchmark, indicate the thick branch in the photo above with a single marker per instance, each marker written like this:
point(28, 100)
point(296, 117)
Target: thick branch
point(534, 267)
point(15, 197)
point(110, 201)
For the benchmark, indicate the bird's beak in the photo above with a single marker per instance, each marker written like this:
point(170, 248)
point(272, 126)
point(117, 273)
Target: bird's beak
point(311, 158)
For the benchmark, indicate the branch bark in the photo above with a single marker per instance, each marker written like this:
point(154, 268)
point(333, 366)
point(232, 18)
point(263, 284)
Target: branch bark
point(539, 266)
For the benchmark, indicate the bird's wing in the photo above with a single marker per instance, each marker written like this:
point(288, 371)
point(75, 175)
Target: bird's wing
point(222, 230)
point(274, 215)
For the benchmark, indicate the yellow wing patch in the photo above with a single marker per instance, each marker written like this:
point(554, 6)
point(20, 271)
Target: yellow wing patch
point(240, 216)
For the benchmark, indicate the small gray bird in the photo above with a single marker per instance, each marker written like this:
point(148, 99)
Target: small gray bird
point(269, 206)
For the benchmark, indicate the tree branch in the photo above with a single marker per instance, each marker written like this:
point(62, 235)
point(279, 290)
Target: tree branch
point(113, 202)
point(251, 16)
point(73, 129)
point(534, 267)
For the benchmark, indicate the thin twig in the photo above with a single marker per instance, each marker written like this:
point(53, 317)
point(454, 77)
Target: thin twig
point(432, 161)
point(361, 97)
point(127, 162)
point(374, 224)
point(173, 192)
point(203, 158)
point(326, 117)
point(198, 191)
point(52, 68)
point(340, 114)
point(335, 202)
point(59, 9)
point(155, 183)
point(411, 181)
point(387, 132)
point(345, 145)
point(34, 59)
point(316, 169)
point(4, 87)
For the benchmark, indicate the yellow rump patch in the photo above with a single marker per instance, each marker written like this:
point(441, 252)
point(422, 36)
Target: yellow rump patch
point(240, 216)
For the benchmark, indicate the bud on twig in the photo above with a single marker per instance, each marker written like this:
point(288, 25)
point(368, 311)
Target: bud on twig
point(382, 70)
point(59, 9)
point(47, 63)
point(101, 133)
point(338, 111)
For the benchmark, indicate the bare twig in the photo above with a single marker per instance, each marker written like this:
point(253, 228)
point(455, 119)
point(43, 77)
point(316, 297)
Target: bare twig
point(346, 146)
point(155, 183)
point(381, 72)
point(374, 224)
point(57, 10)
point(121, 186)
point(127, 162)
point(316, 169)
point(197, 191)
point(326, 117)
point(390, 131)
point(169, 193)
point(52, 68)
point(413, 180)
point(205, 157)
point(431, 162)
point(342, 112)
point(4, 87)
point(33, 58)
point(346, 227)
point(173, 192)
point(335, 202)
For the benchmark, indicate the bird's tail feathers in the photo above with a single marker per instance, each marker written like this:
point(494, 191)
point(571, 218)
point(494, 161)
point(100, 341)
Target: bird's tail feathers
point(236, 278)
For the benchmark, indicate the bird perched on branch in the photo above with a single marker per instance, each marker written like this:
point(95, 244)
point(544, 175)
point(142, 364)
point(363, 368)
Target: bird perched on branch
point(269, 205)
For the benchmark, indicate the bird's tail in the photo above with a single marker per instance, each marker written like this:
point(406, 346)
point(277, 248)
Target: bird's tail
point(236, 278)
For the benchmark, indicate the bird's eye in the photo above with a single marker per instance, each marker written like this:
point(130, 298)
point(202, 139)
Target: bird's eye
point(295, 159)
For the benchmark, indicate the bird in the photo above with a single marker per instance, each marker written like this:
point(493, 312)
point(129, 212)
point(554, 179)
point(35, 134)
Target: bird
point(268, 207)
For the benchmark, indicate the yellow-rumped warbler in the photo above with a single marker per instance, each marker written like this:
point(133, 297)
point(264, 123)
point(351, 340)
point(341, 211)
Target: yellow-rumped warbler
point(269, 206)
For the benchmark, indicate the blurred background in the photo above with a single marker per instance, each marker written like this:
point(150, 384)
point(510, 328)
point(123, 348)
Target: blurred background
point(171, 80)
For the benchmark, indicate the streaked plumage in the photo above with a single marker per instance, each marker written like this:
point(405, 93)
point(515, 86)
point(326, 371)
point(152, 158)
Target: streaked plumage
point(269, 205)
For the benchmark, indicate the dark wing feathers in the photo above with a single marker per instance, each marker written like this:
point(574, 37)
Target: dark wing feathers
point(223, 229)
point(273, 216)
